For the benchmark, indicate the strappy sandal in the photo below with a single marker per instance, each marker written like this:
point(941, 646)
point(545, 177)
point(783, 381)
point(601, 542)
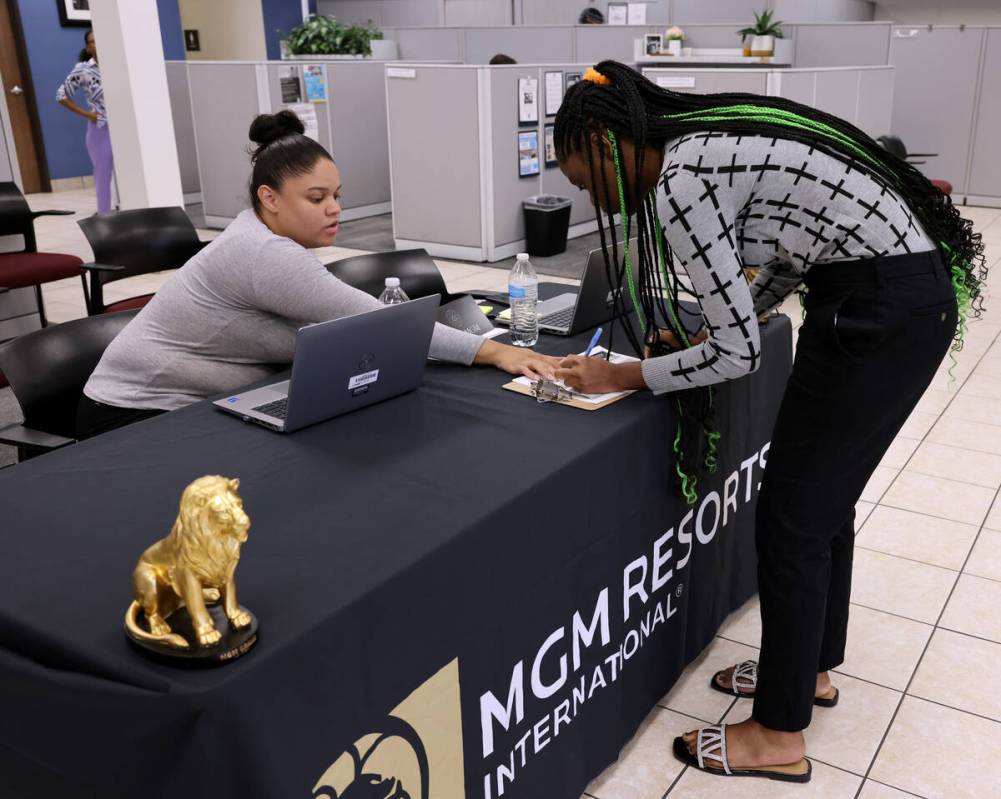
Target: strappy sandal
point(745, 681)
point(711, 746)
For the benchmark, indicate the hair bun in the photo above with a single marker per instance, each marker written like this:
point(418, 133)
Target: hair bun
point(267, 128)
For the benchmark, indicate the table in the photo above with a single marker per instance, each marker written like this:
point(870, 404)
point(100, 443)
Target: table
point(476, 592)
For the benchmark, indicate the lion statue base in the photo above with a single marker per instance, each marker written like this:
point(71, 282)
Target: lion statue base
point(185, 606)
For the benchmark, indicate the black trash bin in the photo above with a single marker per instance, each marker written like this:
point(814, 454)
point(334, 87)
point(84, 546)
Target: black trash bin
point(547, 220)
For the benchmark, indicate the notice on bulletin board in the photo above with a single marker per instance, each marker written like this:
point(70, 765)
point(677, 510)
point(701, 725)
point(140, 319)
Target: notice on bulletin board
point(551, 159)
point(574, 78)
point(618, 13)
point(307, 115)
point(288, 79)
point(554, 92)
point(528, 101)
point(636, 14)
point(528, 153)
point(315, 78)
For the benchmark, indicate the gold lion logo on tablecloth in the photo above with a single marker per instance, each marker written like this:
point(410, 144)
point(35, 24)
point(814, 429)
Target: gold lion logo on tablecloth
point(416, 753)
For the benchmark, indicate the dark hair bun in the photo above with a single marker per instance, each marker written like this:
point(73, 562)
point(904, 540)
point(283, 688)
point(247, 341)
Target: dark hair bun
point(267, 128)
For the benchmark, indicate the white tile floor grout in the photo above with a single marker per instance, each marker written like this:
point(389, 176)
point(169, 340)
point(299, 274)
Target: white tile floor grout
point(906, 751)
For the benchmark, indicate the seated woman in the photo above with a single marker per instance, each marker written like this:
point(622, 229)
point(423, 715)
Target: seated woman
point(231, 313)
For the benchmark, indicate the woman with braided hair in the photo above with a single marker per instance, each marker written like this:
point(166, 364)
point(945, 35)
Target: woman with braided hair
point(715, 183)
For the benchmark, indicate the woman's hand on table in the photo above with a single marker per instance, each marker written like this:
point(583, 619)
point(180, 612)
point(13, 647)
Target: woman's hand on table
point(595, 375)
point(517, 360)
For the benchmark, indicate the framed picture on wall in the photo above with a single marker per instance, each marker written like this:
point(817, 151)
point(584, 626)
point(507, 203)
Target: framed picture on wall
point(618, 13)
point(528, 153)
point(74, 13)
point(574, 77)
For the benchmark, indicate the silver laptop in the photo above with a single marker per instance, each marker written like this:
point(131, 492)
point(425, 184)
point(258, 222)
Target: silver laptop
point(575, 311)
point(343, 365)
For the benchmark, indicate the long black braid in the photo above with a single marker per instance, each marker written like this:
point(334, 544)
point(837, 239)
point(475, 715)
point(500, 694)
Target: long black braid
point(616, 101)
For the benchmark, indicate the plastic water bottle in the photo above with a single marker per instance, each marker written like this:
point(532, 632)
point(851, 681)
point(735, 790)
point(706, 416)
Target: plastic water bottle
point(393, 294)
point(523, 294)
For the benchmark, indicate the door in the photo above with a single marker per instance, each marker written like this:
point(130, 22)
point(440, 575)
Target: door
point(20, 101)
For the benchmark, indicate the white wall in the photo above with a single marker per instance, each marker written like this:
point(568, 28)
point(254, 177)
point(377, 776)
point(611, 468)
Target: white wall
point(940, 12)
point(228, 30)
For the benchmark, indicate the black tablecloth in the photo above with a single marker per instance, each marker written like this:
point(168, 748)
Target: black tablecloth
point(447, 570)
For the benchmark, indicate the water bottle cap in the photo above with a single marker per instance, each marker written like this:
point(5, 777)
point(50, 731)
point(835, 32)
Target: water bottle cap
point(392, 282)
point(522, 256)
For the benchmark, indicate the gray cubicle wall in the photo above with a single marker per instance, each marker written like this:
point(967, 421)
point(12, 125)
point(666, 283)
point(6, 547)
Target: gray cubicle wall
point(436, 163)
point(531, 45)
point(984, 176)
point(225, 97)
point(938, 72)
point(836, 45)
point(184, 128)
point(456, 185)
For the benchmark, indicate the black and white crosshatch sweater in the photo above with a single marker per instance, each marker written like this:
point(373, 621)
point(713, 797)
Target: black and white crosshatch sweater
point(728, 201)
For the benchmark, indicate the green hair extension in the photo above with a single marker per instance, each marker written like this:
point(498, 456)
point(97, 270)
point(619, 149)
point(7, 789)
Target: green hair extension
point(688, 482)
point(625, 222)
point(964, 304)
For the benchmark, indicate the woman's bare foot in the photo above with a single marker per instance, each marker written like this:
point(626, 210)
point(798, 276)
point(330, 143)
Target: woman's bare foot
point(825, 689)
point(750, 745)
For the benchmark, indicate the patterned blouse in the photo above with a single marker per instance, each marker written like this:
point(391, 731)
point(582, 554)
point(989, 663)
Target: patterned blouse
point(87, 76)
point(728, 201)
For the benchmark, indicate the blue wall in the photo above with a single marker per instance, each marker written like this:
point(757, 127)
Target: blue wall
point(281, 15)
point(52, 52)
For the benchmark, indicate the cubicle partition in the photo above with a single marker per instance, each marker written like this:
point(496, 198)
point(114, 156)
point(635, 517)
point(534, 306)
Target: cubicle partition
point(860, 95)
point(223, 98)
point(454, 158)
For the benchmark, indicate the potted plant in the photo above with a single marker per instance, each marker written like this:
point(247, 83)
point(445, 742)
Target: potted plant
point(674, 37)
point(762, 34)
point(321, 35)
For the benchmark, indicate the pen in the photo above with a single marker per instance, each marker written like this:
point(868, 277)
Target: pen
point(594, 340)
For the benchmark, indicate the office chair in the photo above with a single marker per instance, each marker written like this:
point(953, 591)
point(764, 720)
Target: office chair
point(895, 145)
point(28, 267)
point(419, 277)
point(47, 370)
point(129, 243)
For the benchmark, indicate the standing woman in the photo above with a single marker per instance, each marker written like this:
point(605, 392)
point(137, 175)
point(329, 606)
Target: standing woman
point(86, 75)
point(721, 182)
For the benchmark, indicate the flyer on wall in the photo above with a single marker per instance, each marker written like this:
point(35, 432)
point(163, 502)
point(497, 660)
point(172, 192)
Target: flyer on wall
point(528, 153)
point(307, 114)
point(315, 78)
point(551, 146)
point(291, 87)
point(528, 100)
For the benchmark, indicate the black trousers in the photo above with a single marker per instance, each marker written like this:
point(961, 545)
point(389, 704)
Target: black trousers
point(875, 332)
point(94, 418)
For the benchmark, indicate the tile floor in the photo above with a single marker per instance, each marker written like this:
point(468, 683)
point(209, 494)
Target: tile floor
point(920, 713)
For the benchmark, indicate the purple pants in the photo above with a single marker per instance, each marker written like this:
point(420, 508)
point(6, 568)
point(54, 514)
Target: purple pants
point(99, 148)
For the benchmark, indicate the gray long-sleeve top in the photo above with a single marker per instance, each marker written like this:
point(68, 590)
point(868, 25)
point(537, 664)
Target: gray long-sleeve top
point(228, 317)
point(727, 201)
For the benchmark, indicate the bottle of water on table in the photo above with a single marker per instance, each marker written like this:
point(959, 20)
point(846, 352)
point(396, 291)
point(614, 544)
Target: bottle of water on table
point(393, 294)
point(523, 294)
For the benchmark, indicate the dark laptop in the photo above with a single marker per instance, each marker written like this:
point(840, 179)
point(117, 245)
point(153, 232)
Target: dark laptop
point(343, 365)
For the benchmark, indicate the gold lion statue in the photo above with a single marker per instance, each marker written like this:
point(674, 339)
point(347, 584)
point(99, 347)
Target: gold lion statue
point(194, 563)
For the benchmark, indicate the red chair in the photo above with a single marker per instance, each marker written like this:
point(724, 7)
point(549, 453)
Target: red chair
point(28, 267)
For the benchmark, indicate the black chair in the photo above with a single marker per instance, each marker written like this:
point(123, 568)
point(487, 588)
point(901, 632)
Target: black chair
point(895, 145)
point(129, 243)
point(47, 370)
point(28, 266)
point(419, 277)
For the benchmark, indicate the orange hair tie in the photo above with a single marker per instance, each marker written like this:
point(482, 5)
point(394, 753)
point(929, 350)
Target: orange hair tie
point(592, 75)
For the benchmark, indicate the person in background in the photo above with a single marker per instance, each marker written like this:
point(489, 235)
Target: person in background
point(502, 58)
point(229, 316)
point(591, 16)
point(86, 75)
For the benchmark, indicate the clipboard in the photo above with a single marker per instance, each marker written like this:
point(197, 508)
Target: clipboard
point(525, 387)
point(521, 388)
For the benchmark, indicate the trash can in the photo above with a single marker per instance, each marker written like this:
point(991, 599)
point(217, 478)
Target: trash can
point(547, 220)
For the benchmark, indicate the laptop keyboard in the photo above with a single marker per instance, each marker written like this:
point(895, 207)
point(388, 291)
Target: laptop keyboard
point(558, 319)
point(278, 408)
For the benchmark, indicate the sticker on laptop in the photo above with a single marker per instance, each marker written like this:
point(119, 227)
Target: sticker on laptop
point(363, 379)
